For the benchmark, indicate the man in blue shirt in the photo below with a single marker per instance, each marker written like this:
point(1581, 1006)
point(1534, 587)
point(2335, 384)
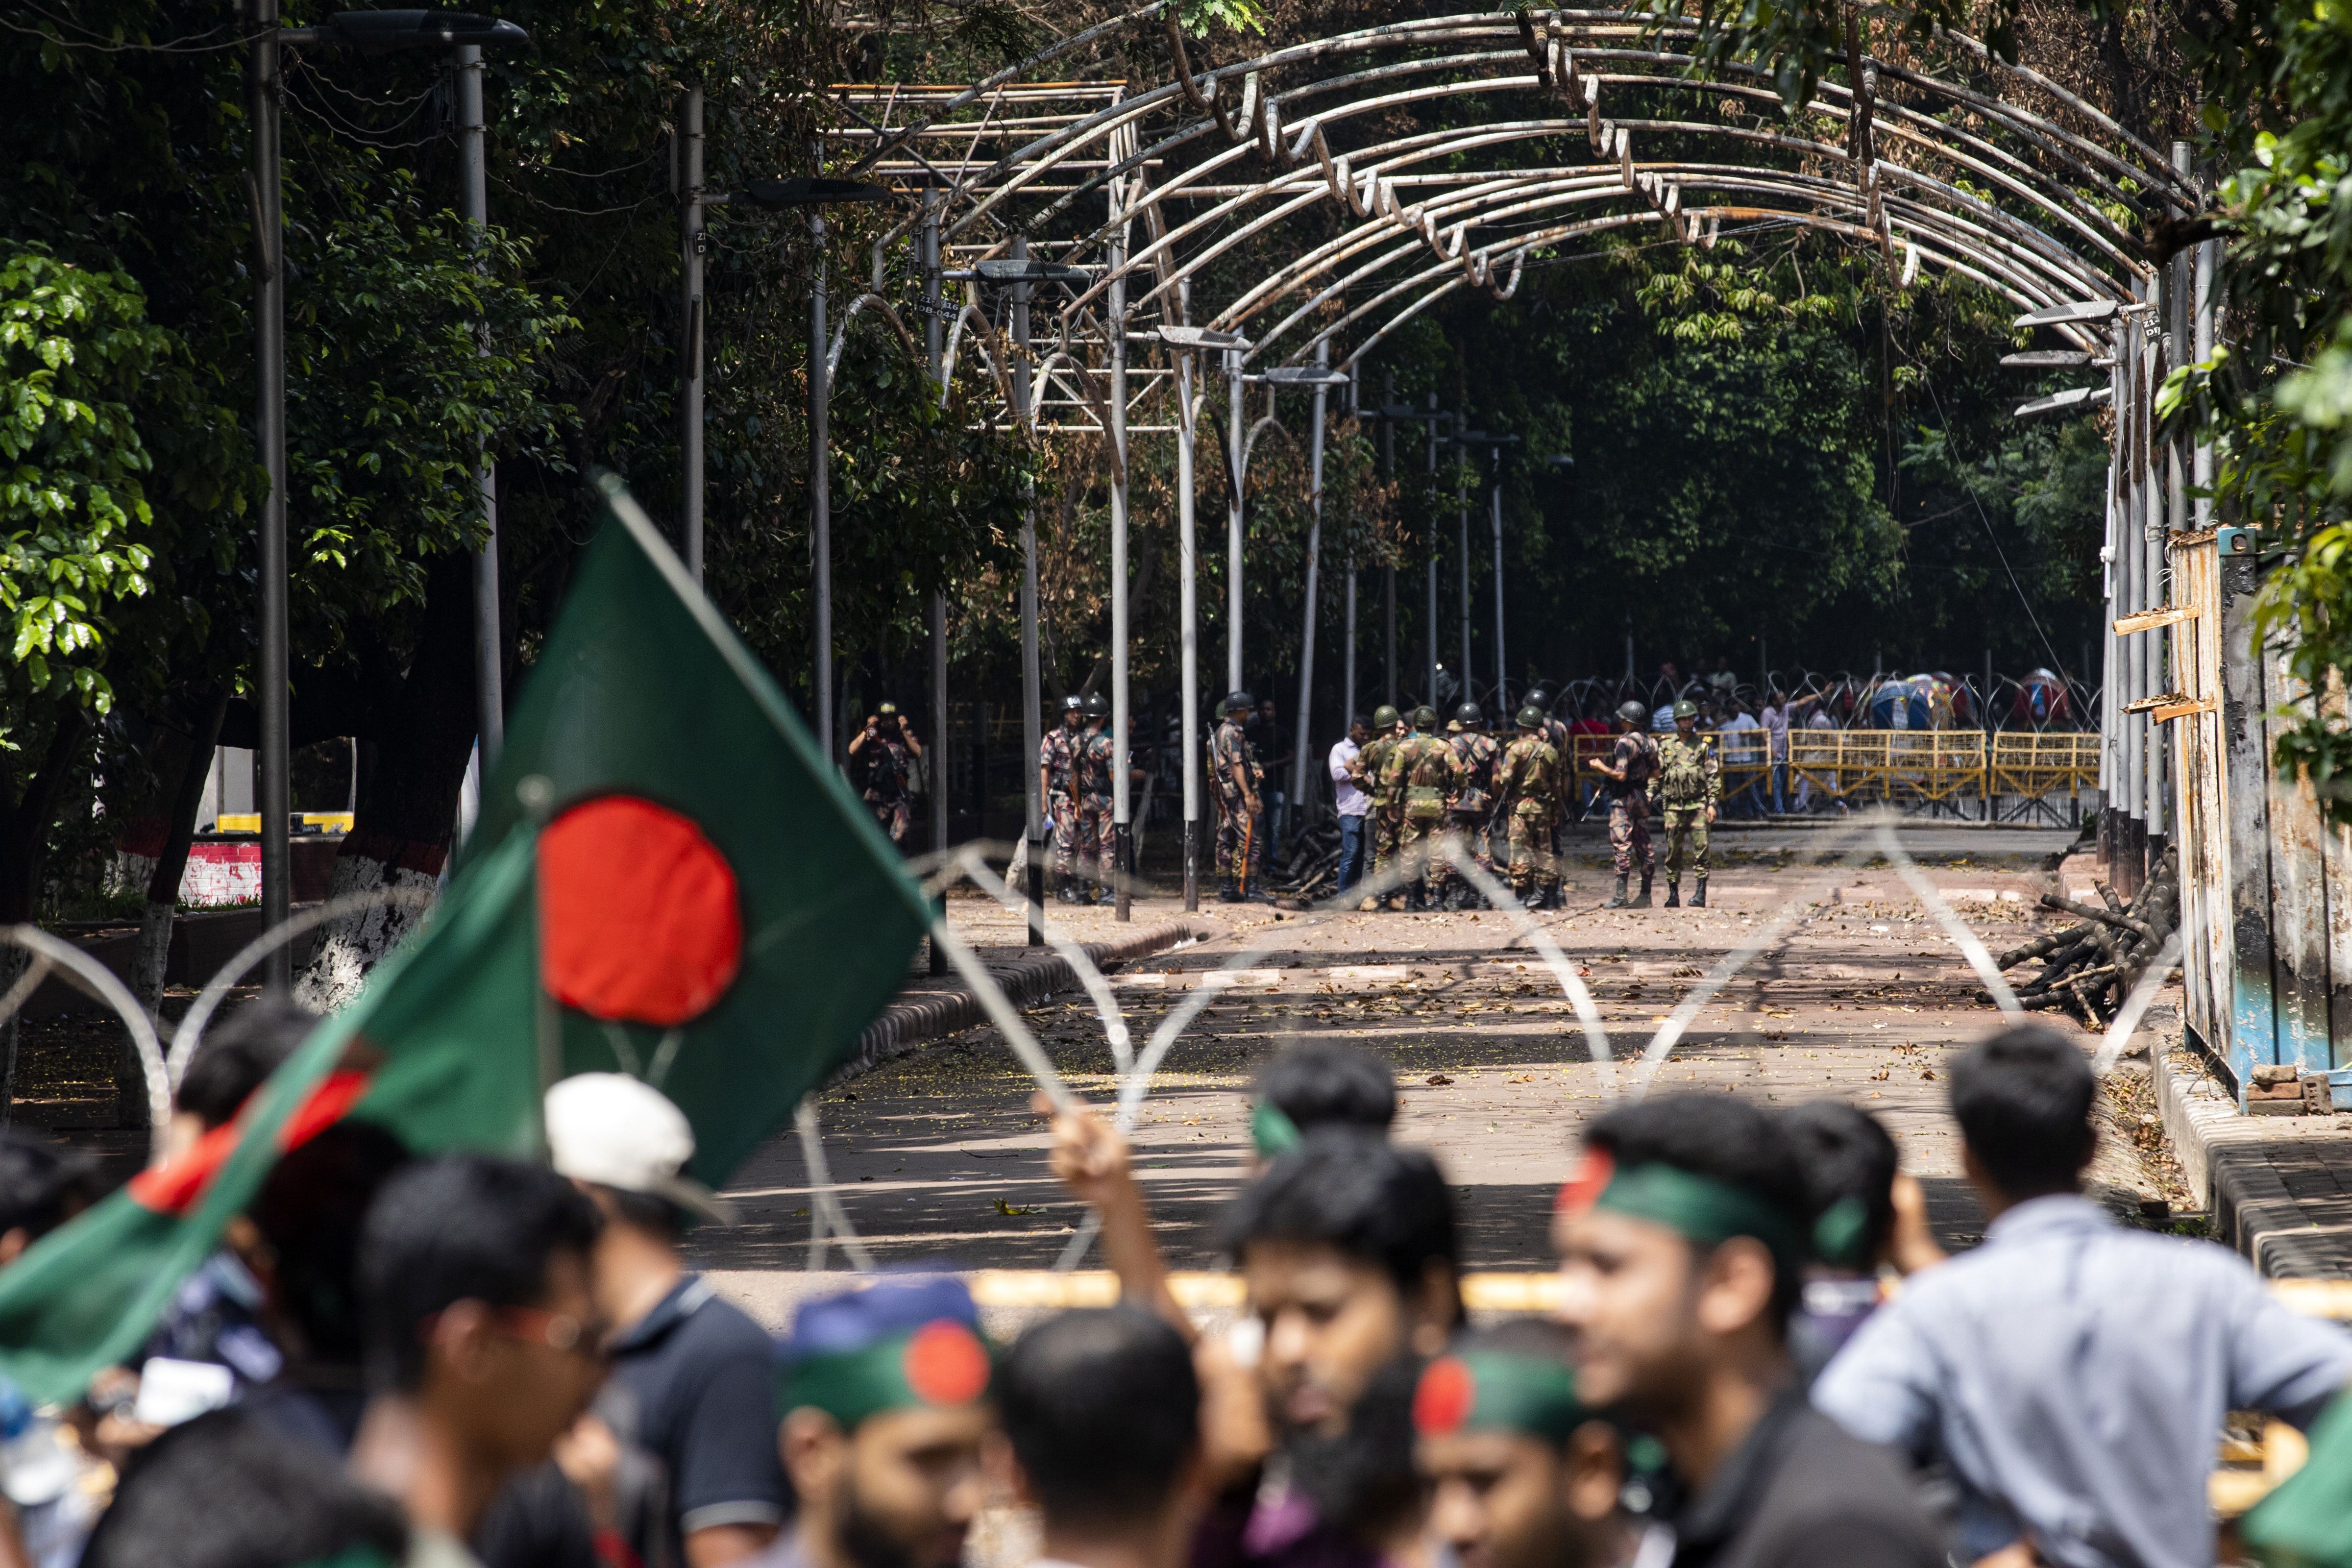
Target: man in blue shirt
point(688, 1392)
point(2073, 1373)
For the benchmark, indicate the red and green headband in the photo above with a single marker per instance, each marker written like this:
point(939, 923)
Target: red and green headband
point(1498, 1391)
point(1698, 1208)
point(939, 1365)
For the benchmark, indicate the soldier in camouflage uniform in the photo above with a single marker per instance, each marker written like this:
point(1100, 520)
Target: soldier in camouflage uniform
point(1629, 770)
point(1092, 788)
point(1387, 729)
point(1233, 765)
point(1688, 783)
point(1470, 811)
point(1422, 772)
point(1529, 782)
point(1057, 777)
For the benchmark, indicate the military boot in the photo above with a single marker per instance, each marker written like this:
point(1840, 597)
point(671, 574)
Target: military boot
point(1227, 893)
point(1618, 899)
point(1674, 894)
point(1698, 899)
point(1643, 901)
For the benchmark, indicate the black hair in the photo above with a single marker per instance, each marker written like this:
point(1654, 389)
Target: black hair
point(229, 1491)
point(1319, 1082)
point(309, 1211)
point(42, 1185)
point(234, 1059)
point(1730, 1140)
point(1355, 1191)
point(1845, 1153)
point(1102, 1407)
point(647, 1211)
point(462, 1227)
point(2024, 1103)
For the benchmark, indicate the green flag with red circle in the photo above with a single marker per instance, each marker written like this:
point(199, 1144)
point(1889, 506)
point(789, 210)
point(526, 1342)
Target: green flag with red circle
point(667, 880)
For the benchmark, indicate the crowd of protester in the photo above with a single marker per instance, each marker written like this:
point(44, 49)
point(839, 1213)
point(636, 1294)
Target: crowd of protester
point(1761, 1357)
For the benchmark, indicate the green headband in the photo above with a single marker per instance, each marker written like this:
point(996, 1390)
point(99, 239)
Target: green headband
point(938, 1365)
point(1840, 1233)
point(1274, 1132)
point(1700, 1208)
point(1498, 1391)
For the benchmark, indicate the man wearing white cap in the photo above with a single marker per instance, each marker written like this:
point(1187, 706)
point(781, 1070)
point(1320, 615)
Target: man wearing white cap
point(689, 1385)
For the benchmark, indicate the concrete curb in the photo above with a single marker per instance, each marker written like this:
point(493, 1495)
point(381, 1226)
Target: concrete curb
point(909, 1024)
point(2231, 1163)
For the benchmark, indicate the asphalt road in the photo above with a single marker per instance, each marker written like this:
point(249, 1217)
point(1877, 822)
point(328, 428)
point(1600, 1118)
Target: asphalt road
point(1863, 998)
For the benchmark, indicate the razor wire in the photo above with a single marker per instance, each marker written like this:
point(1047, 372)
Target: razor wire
point(106, 986)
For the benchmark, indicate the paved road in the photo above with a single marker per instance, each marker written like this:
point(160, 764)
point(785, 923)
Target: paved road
point(940, 1161)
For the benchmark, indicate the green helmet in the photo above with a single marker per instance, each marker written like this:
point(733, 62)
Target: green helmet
point(1531, 717)
point(1632, 713)
point(1384, 717)
point(1686, 708)
point(1425, 717)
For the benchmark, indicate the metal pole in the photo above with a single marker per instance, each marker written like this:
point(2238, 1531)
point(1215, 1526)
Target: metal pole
point(1502, 664)
point(938, 606)
point(1122, 822)
point(2208, 261)
point(1187, 608)
point(1032, 686)
point(1430, 690)
point(1462, 525)
point(1299, 746)
point(269, 435)
point(489, 698)
point(1233, 441)
point(819, 412)
point(1388, 474)
point(1348, 693)
point(691, 246)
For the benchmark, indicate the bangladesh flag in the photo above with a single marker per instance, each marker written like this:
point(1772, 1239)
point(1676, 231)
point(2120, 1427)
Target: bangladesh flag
point(667, 879)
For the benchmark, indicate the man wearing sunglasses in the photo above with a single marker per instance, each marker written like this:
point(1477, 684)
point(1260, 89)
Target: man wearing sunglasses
point(484, 1342)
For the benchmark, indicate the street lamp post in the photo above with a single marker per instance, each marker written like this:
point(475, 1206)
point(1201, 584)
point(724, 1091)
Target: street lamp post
point(815, 194)
point(1186, 340)
point(691, 246)
point(1494, 445)
point(372, 33)
point(1322, 378)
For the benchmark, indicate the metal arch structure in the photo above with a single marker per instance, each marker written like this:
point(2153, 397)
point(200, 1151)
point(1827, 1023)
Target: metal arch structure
point(2005, 179)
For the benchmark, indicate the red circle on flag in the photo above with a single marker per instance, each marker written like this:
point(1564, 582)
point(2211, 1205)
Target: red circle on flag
point(639, 917)
point(1444, 1399)
point(945, 1364)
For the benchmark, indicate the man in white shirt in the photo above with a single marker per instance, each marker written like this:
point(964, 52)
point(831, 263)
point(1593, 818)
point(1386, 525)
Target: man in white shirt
point(1355, 805)
point(1740, 748)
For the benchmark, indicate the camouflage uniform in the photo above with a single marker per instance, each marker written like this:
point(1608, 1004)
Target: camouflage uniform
point(1240, 853)
point(1470, 811)
point(1094, 814)
point(1688, 783)
point(1388, 805)
point(1057, 754)
point(1422, 772)
point(1530, 778)
point(887, 764)
point(1629, 806)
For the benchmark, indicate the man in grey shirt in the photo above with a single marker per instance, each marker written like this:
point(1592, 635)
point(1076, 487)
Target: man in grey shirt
point(2073, 1373)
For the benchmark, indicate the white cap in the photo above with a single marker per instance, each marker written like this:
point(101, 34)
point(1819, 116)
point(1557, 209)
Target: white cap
point(609, 1128)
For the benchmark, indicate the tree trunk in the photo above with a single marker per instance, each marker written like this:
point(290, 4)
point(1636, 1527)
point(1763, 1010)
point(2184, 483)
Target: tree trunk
point(24, 846)
point(153, 952)
point(408, 800)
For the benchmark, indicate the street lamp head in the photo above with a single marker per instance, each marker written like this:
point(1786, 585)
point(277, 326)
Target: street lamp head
point(1304, 375)
point(1560, 460)
point(1200, 338)
point(387, 32)
point(805, 191)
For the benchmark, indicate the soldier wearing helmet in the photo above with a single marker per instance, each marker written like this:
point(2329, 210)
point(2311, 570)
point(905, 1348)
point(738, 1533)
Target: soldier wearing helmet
point(1688, 783)
point(888, 750)
point(1471, 810)
point(1557, 734)
point(1234, 768)
point(1387, 805)
point(1091, 789)
point(1424, 772)
point(1057, 778)
point(1629, 770)
point(1529, 782)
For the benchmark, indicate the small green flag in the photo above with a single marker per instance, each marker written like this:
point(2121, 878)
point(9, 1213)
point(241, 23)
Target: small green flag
point(690, 894)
